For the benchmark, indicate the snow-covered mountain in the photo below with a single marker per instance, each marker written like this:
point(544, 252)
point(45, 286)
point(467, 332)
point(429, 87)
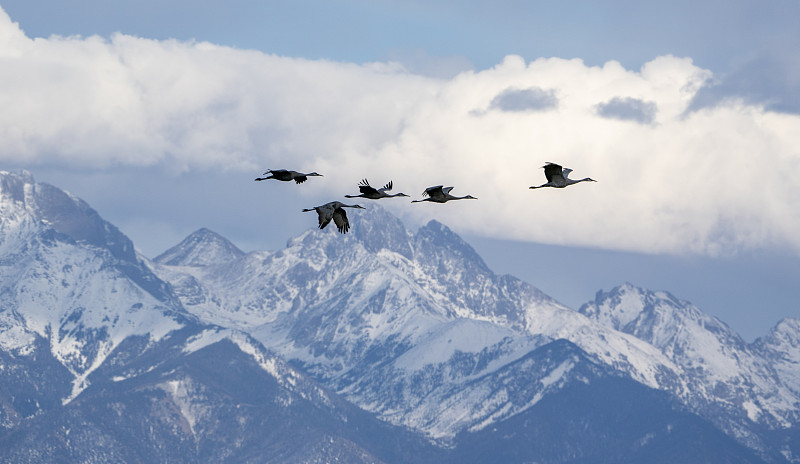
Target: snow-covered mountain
point(728, 380)
point(382, 345)
point(715, 360)
point(781, 347)
point(350, 315)
point(416, 328)
point(73, 281)
point(99, 361)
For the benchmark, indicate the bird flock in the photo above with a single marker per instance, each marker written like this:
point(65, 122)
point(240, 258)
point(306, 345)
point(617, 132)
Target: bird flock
point(557, 177)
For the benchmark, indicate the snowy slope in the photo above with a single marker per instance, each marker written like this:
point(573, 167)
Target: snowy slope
point(72, 279)
point(726, 378)
point(73, 285)
point(210, 396)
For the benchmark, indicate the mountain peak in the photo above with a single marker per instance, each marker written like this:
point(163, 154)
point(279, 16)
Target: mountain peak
point(435, 238)
point(783, 338)
point(202, 247)
point(782, 347)
point(8, 179)
point(660, 319)
point(379, 229)
point(625, 303)
point(22, 196)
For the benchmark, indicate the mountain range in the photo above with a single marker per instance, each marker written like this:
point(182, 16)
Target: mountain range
point(382, 345)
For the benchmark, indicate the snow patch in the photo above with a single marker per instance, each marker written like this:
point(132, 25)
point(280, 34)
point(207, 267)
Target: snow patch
point(205, 338)
point(186, 397)
point(556, 374)
point(753, 411)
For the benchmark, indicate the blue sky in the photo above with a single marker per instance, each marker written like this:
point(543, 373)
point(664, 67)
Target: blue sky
point(717, 34)
point(159, 114)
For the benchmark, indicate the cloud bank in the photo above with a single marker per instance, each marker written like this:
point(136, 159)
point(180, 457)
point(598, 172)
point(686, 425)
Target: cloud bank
point(711, 180)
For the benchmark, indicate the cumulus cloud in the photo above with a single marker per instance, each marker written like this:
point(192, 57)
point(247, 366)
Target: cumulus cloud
point(628, 109)
point(684, 182)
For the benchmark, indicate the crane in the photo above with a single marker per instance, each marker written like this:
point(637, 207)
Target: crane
point(368, 191)
point(558, 176)
point(440, 194)
point(333, 210)
point(286, 176)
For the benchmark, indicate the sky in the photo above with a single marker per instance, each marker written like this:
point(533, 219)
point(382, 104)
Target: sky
point(161, 114)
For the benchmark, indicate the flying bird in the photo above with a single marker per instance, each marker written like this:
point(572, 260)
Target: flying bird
point(335, 211)
point(440, 194)
point(368, 191)
point(558, 177)
point(286, 176)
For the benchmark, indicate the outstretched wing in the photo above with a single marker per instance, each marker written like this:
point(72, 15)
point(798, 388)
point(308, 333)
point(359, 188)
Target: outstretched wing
point(324, 218)
point(282, 174)
point(325, 213)
point(387, 187)
point(340, 219)
point(552, 170)
point(433, 192)
point(279, 174)
point(366, 189)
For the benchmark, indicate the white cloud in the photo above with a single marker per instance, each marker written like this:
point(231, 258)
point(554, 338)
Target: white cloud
point(708, 181)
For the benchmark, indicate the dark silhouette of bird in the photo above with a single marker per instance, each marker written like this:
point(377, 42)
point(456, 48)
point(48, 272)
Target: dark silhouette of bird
point(333, 211)
point(558, 177)
point(286, 176)
point(440, 194)
point(368, 191)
